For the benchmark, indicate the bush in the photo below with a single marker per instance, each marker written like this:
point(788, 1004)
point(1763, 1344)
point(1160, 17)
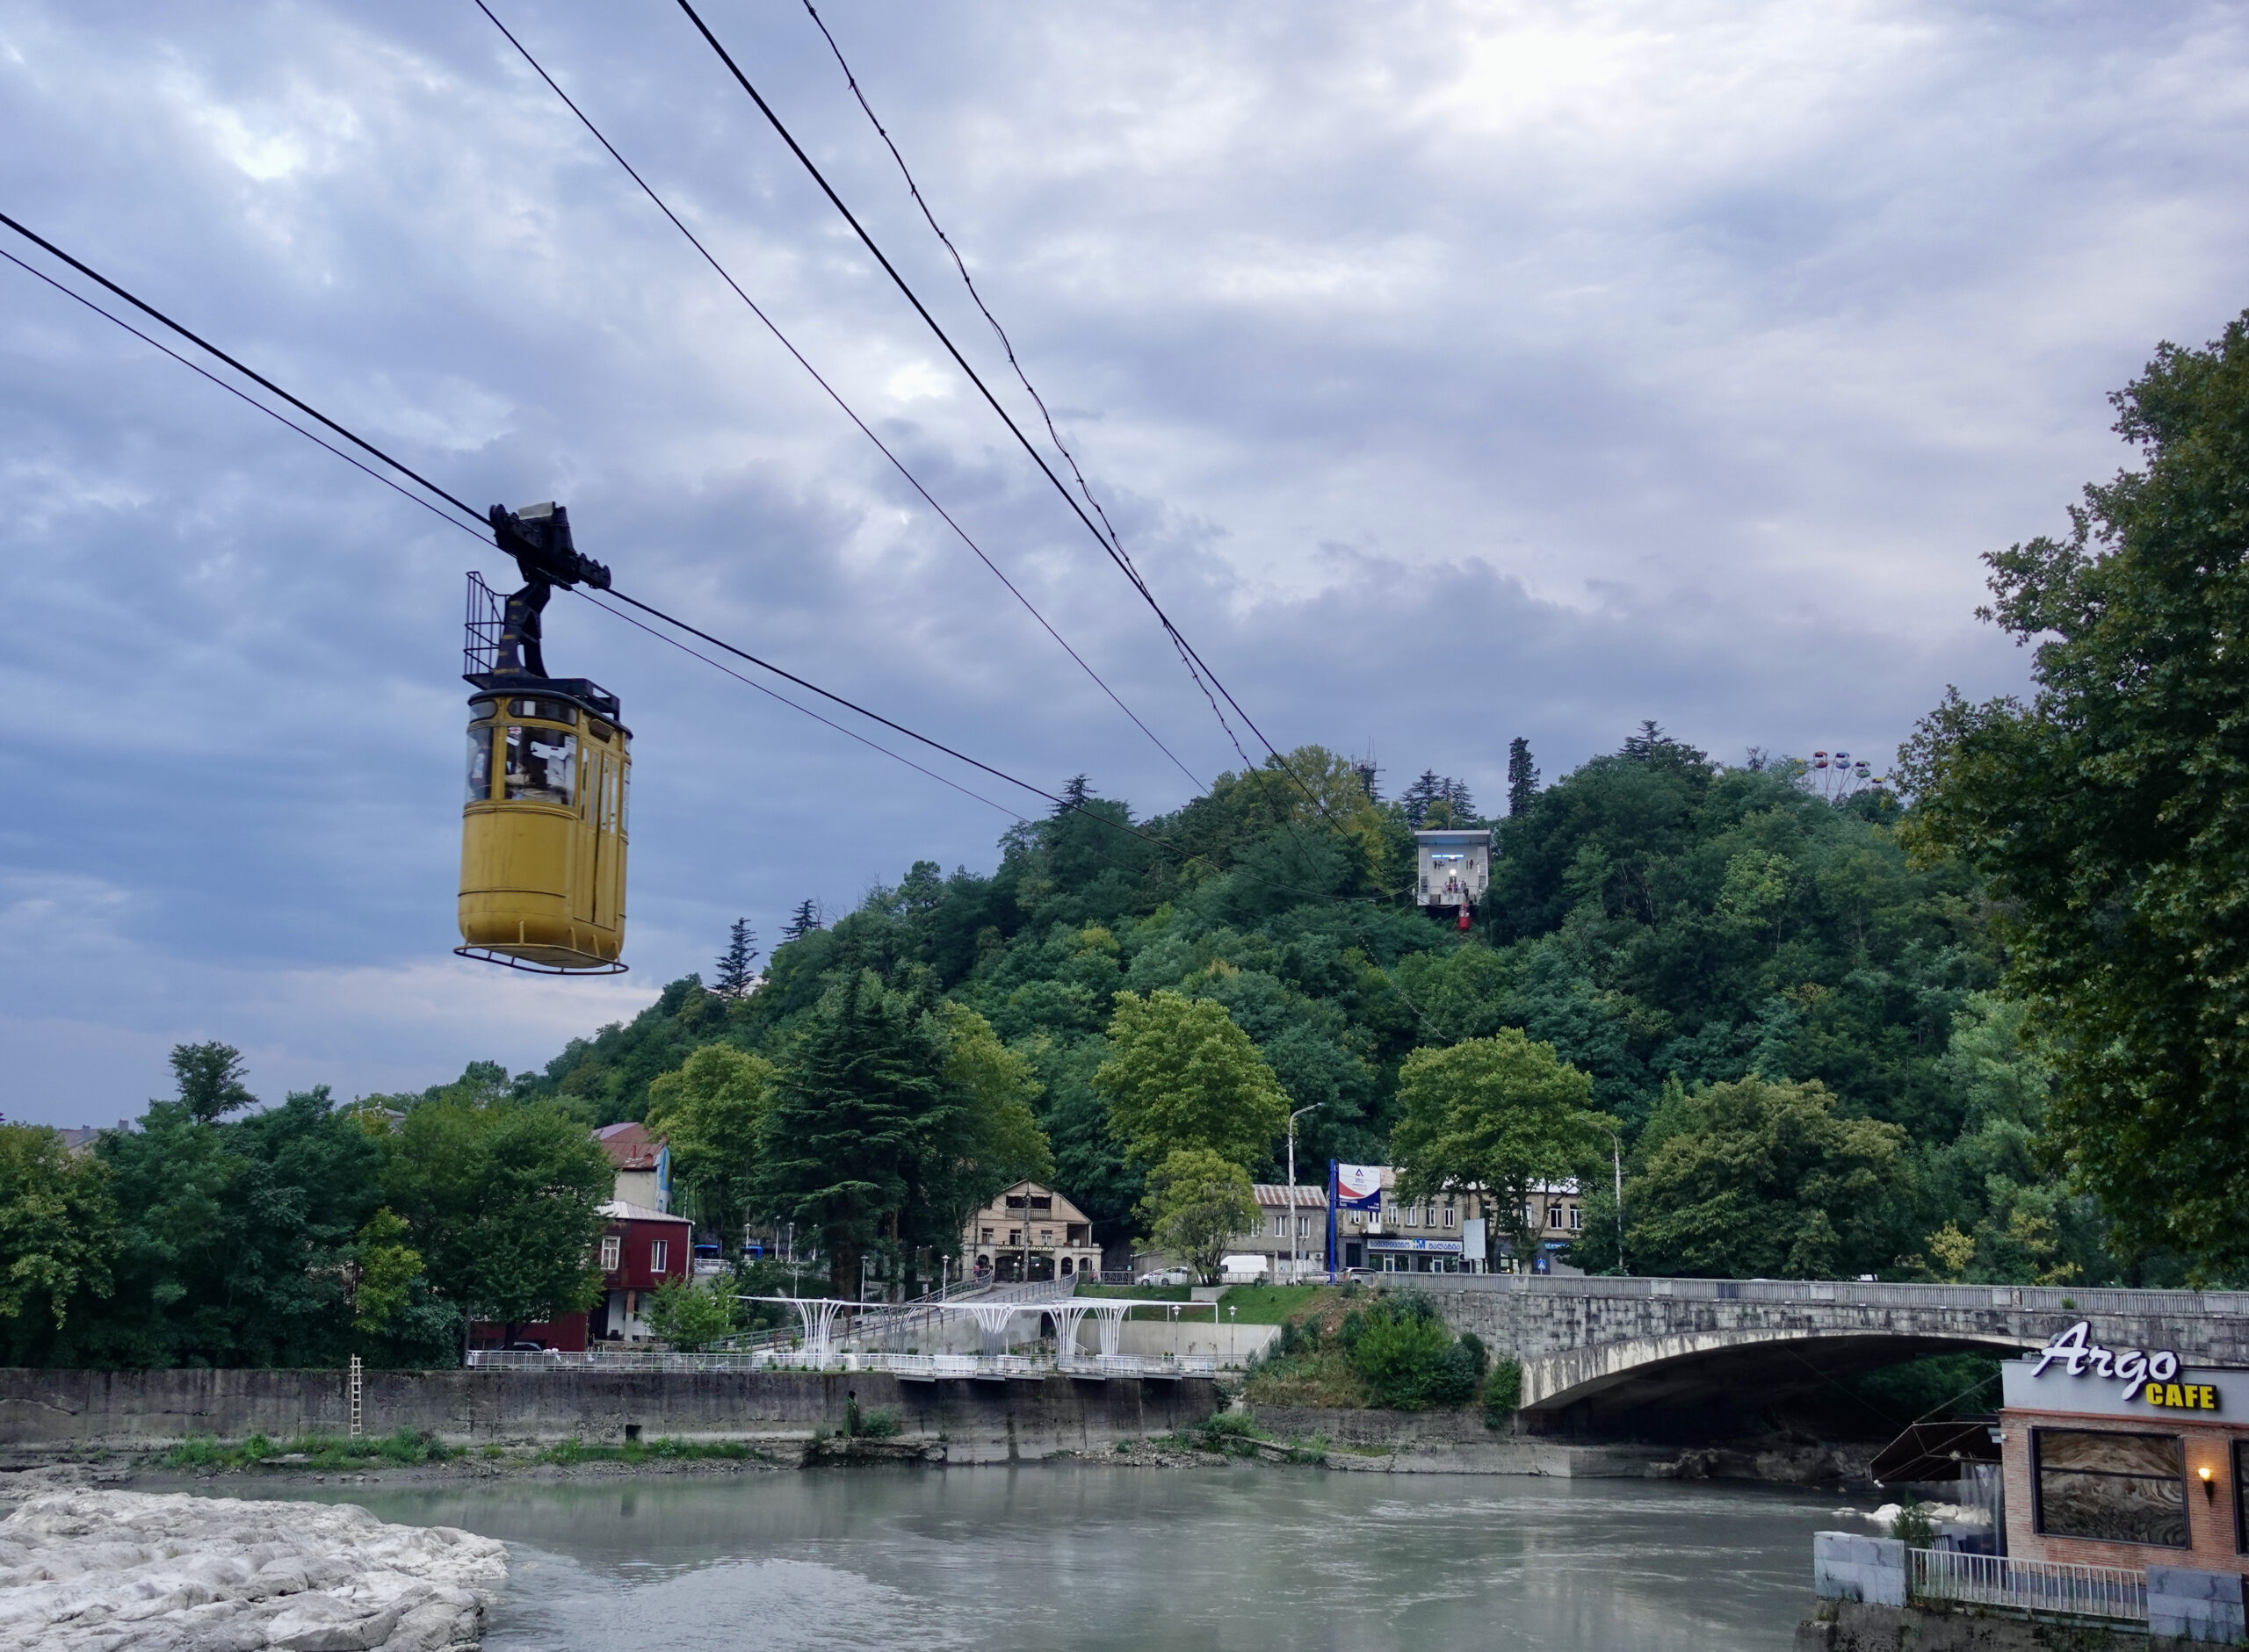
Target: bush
point(1502, 1394)
point(881, 1426)
point(1913, 1526)
point(1401, 1356)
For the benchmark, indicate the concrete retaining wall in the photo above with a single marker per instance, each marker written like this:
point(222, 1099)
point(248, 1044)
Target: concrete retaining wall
point(1446, 1442)
point(52, 1411)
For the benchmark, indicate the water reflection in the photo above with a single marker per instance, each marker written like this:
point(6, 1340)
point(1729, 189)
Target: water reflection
point(1240, 1560)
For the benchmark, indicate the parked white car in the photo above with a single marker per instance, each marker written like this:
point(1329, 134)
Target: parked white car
point(1164, 1276)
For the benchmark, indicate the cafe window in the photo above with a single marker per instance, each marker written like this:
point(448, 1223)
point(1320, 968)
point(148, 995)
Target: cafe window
point(2240, 1495)
point(2115, 1487)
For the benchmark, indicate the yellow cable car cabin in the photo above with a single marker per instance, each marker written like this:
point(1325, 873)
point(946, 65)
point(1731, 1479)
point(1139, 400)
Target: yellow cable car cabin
point(544, 825)
point(544, 828)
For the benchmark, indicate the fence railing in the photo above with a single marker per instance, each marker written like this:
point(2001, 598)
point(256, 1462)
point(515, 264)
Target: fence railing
point(909, 1365)
point(2028, 1585)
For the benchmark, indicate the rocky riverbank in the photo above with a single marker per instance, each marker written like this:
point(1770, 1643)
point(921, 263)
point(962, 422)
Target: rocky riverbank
point(84, 1570)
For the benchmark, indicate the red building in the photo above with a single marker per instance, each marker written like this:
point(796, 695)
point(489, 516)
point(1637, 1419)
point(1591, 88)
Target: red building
point(638, 1250)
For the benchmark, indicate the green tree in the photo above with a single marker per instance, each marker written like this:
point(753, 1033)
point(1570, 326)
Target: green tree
point(860, 1102)
point(999, 1142)
point(1181, 1074)
point(1765, 1180)
point(386, 1270)
point(732, 977)
point(210, 1080)
point(2106, 817)
point(1500, 1116)
point(1522, 777)
point(691, 1316)
point(58, 1235)
point(711, 1110)
point(503, 1199)
point(1198, 1202)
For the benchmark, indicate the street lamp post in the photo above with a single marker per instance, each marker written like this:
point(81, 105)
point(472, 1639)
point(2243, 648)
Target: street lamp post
point(1293, 1117)
point(1616, 1151)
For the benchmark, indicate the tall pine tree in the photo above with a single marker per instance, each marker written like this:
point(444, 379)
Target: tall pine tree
point(804, 921)
point(734, 974)
point(1418, 795)
point(856, 1115)
point(1522, 777)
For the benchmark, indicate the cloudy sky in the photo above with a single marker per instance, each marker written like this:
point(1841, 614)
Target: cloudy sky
point(1453, 371)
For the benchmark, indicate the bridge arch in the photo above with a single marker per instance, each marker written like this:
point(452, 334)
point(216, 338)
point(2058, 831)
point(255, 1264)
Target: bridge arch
point(1706, 1374)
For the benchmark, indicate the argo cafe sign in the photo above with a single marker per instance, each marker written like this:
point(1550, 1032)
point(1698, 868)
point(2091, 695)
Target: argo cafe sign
point(2073, 1373)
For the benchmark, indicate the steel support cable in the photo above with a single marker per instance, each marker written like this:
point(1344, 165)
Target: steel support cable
point(751, 682)
point(251, 373)
point(1108, 528)
point(234, 390)
point(833, 395)
point(1186, 650)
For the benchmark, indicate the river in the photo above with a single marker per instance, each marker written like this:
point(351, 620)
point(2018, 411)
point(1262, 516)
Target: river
point(1241, 1559)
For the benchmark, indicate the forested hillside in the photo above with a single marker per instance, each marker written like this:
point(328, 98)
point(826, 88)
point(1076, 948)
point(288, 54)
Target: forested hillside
point(1794, 1031)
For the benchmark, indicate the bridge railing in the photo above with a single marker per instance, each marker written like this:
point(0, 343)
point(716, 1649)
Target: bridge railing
point(907, 1364)
point(2028, 1585)
point(1863, 1292)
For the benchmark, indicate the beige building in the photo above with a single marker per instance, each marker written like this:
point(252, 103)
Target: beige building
point(1030, 1232)
point(1291, 1232)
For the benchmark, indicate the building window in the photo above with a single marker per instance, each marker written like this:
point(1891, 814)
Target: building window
point(1577, 1217)
point(1304, 1227)
point(984, 1236)
point(2240, 1495)
point(2117, 1488)
point(613, 1252)
point(1554, 1215)
point(1046, 1236)
point(659, 1252)
point(1015, 1235)
point(1450, 1215)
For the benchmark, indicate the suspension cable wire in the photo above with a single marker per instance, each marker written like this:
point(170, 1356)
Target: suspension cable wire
point(232, 390)
point(1193, 661)
point(1007, 344)
point(1108, 529)
point(250, 374)
point(834, 394)
point(752, 682)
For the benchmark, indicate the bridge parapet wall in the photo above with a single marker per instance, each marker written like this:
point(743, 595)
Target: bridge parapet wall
point(1576, 1337)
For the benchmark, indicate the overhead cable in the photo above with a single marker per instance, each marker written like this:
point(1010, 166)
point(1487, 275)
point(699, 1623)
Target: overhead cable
point(236, 390)
point(834, 394)
point(1193, 661)
point(250, 374)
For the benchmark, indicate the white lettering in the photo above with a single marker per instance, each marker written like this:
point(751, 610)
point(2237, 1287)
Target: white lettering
point(2099, 1356)
point(2161, 1367)
point(2070, 1346)
point(2132, 1365)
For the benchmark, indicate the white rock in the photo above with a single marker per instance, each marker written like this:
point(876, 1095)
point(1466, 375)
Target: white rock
point(124, 1571)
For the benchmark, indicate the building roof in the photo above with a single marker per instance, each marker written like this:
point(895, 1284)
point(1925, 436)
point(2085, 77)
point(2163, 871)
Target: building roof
point(1449, 837)
point(631, 1145)
point(1064, 1209)
point(618, 1210)
point(1274, 1192)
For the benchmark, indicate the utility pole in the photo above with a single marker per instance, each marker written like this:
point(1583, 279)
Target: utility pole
point(1293, 1117)
point(1617, 1150)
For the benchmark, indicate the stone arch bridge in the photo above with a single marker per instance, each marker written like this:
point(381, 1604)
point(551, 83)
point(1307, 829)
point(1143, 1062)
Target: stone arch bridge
point(1636, 1354)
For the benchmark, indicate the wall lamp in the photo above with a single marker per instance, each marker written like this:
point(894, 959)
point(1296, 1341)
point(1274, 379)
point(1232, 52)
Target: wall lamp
point(2210, 1485)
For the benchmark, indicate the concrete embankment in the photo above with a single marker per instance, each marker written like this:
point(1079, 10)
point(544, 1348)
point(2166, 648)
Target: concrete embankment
point(1449, 1443)
point(52, 1412)
point(1852, 1626)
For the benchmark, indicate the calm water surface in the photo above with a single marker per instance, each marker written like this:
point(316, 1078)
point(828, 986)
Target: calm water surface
point(1241, 1560)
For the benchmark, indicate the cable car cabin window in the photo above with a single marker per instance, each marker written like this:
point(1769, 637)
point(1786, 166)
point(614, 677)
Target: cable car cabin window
point(542, 765)
point(478, 787)
point(600, 730)
point(553, 711)
point(624, 803)
point(479, 709)
point(2119, 1487)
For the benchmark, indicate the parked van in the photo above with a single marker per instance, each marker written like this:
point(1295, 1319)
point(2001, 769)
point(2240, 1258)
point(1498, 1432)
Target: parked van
point(1242, 1270)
